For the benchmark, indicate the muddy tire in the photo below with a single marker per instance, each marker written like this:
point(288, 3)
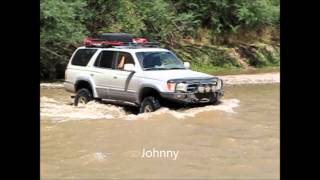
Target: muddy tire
point(83, 96)
point(149, 104)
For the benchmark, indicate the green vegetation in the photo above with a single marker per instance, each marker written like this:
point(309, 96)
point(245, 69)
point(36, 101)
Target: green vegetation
point(216, 36)
point(233, 71)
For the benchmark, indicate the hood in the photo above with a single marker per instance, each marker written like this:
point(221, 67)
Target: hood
point(165, 75)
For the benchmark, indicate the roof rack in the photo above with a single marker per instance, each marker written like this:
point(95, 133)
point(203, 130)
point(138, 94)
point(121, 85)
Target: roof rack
point(125, 45)
point(118, 40)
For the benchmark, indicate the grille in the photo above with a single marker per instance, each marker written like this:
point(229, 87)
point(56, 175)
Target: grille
point(192, 88)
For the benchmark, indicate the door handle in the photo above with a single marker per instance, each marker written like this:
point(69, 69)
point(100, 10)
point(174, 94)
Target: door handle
point(115, 77)
point(91, 74)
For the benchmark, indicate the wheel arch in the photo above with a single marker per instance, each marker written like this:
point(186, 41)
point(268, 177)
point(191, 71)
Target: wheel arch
point(90, 82)
point(148, 91)
point(82, 83)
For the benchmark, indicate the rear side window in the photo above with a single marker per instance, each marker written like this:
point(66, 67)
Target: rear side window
point(105, 59)
point(82, 57)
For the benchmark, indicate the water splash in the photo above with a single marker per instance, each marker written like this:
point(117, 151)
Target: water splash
point(99, 156)
point(62, 111)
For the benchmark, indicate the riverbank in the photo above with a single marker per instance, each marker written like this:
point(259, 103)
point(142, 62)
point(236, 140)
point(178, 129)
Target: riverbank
point(263, 78)
point(238, 71)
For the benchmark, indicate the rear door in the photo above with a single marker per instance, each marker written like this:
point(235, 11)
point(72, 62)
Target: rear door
point(103, 73)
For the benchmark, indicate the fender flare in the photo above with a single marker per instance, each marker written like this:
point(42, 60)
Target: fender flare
point(147, 86)
point(91, 83)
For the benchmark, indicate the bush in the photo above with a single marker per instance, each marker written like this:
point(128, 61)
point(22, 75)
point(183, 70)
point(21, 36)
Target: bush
point(261, 55)
point(207, 55)
point(257, 12)
point(228, 15)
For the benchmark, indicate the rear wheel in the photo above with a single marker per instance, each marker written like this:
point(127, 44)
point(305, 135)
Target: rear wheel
point(149, 104)
point(83, 96)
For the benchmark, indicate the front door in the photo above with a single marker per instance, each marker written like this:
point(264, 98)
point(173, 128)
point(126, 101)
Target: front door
point(122, 79)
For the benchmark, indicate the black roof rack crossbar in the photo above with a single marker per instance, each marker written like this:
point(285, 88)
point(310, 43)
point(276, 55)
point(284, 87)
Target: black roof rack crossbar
point(147, 44)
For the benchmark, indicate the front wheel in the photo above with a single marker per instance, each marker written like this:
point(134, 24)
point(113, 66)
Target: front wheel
point(149, 104)
point(83, 96)
point(214, 100)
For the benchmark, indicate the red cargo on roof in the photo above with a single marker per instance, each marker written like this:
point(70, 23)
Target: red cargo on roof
point(112, 39)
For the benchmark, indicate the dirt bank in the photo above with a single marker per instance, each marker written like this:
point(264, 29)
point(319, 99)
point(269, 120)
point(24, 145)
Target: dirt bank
point(265, 78)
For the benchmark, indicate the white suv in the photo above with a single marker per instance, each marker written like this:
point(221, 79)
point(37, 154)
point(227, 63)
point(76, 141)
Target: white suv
point(145, 77)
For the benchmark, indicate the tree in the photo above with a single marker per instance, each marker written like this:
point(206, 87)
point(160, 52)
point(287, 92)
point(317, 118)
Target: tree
point(227, 15)
point(61, 27)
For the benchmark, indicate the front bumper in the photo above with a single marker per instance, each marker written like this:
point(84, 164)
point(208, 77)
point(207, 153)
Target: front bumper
point(193, 98)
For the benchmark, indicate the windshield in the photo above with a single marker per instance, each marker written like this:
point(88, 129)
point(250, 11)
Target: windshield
point(159, 61)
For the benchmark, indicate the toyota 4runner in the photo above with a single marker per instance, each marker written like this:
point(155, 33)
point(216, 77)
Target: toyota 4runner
point(140, 76)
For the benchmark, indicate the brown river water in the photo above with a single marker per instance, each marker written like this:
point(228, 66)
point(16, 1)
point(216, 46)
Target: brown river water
point(237, 139)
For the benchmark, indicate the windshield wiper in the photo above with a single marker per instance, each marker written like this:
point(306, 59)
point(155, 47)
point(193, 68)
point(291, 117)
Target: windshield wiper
point(176, 68)
point(154, 68)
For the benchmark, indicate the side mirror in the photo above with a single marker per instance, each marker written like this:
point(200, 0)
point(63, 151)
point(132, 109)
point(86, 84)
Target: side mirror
point(129, 67)
point(187, 65)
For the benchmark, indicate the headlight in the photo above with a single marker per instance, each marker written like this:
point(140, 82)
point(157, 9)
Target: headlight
point(181, 87)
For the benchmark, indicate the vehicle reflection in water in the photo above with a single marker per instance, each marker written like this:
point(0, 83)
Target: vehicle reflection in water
point(238, 138)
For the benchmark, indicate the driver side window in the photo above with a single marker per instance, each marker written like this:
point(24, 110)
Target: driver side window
point(124, 58)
